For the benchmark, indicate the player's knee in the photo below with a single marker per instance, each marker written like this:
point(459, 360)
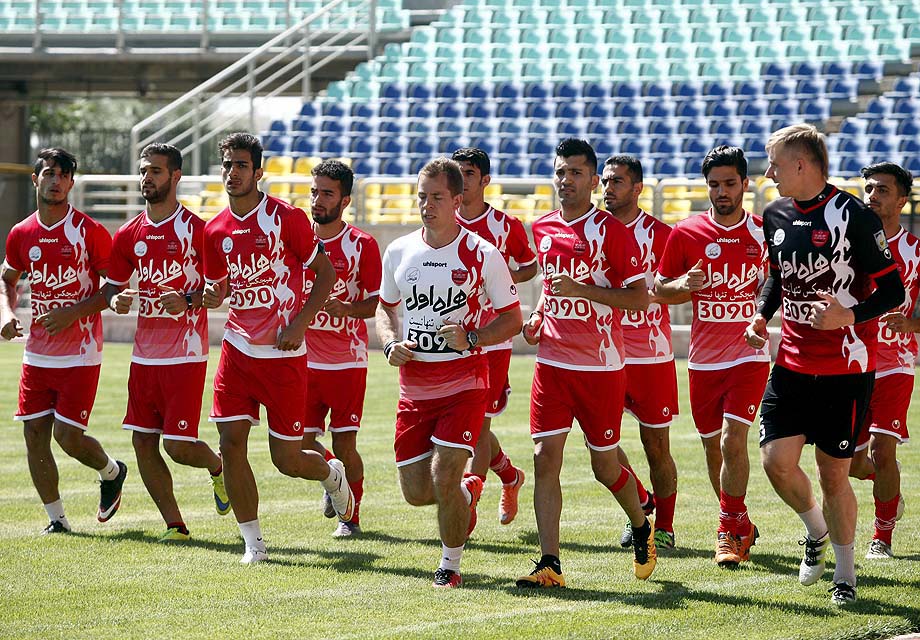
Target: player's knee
point(144, 443)
point(232, 446)
point(179, 450)
point(285, 463)
point(883, 458)
point(69, 438)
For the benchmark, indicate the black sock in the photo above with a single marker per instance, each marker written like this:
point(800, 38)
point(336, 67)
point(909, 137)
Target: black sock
point(552, 562)
point(644, 529)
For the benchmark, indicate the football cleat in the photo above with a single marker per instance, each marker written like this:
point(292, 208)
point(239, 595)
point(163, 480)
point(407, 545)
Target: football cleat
point(55, 526)
point(110, 493)
point(648, 507)
point(542, 577)
point(645, 556)
point(508, 503)
point(221, 498)
point(727, 549)
point(664, 539)
point(878, 550)
point(901, 506)
point(328, 509)
point(446, 579)
point(746, 542)
point(175, 534)
point(812, 566)
point(254, 556)
point(346, 530)
point(842, 593)
point(343, 500)
point(473, 484)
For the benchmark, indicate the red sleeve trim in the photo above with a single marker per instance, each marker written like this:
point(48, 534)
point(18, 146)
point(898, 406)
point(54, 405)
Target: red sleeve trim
point(887, 269)
point(508, 308)
point(389, 304)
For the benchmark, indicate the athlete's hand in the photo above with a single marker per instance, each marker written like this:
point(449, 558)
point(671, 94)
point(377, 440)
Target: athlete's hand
point(756, 333)
point(56, 320)
point(455, 336)
point(897, 322)
point(695, 278)
point(121, 302)
point(337, 308)
point(830, 314)
point(563, 285)
point(531, 329)
point(11, 329)
point(211, 297)
point(401, 353)
point(289, 339)
point(172, 301)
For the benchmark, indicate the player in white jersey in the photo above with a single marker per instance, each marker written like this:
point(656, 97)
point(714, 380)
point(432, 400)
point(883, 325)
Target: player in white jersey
point(337, 338)
point(64, 253)
point(163, 246)
point(651, 376)
point(887, 189)
point(447, 282)
point(508, 235)
point(255, 251)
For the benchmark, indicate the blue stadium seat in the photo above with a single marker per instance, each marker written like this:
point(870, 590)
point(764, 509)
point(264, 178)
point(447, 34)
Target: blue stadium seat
point(667, 167)
point(696, 127)
point(567, 90)
point(332, 146)
point(695, 146)
point(509, 110)
point(693, 167)
point(597, 110)
point(539, 110)
point(363, 146)
point(510, 147)
point(512, 167)
point(881, 146)
point(567, 110)
point(853, 127)
point(303, 146)
point(309, 110)
point(334, 109)
point(537, 90)
point(448, 91)
point(595, 90)
point(450, 110)
point(391, 91)
point(661, 128)
point(366, 166)
point(514, 127)
point(417, 91)
point(540, 147)
point(477, 91)
point(541, 167)
point(599, 128)
point(882, 128)
point(422, 146)
point(909, 128)
point(603, 148)
point(394, 166)
point(278, 127)
point(635, 146)
point(362, 111)
point(508, 91)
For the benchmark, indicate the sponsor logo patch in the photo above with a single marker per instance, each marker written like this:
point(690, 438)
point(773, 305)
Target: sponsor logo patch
point(778, 237)
point(580, 247)
point(713, 251)
point(35, 253)
point(140, 249)
point(546, 243)
point(172, 247)
point(227, 244)
point(412, 275)
point(261, 241)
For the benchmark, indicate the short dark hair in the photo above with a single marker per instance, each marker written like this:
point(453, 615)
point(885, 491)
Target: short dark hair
point(338, 171)
point(447, 167)
point(475, 156)
point(55, 155)
point(632, 163)
point(173, 155)
point(245, 142)
point(574, 147)
point(725, 156)
point(902, 176)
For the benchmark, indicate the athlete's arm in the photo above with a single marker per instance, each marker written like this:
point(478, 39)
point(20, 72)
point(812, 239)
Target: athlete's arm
point(633, 296)
point(771, 295)
point(531, 329)
point(9, 324)
point(888, 294)
point(365, 308)
point(291, 336)
point(214, 294)
point(56, 320)
point(504, 326)
point(678, 290)
point(899, 323)
point(118, 298)
point(398, 352)
point(525, 273)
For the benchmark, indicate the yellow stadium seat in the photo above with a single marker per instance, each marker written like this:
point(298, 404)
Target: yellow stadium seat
point(279, 189)
point(213, 187)
point(373, 190)
point(545, 190)
point(398, 189)
point(523, 208)
point(278, 165)
point(677, 206)
point(492, 190)
point(304, 165)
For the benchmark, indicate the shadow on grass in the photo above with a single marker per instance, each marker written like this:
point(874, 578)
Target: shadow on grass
point(532, 541)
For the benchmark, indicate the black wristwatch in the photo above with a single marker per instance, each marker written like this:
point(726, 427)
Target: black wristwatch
point(473, 338)
point(188, 300)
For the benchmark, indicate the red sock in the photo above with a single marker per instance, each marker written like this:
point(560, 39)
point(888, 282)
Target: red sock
point(871, 477)
point(664, 512)
point(328, 455)
point(357, 488)
point(469, 475)
point(621, 481)
point(733, 516)
point(503, 468)
point(178, 525)
point(885, 513)
point(643, 494)
point(214, 474)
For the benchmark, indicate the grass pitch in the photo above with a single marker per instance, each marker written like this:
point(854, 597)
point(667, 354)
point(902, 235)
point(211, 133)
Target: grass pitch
point(115, 580)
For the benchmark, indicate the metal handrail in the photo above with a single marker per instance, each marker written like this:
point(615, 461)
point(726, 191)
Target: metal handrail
point(243, 80)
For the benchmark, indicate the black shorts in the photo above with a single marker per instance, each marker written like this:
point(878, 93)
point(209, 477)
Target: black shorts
point(827, 410)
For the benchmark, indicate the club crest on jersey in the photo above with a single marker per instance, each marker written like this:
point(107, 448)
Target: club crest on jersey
point(459, 275)
point(35, 253)
point(227, 244)
point(546, 243)
point(751, 250)
point(67, 250)
point(172, 247)
point(819, 237)
point(412, 275)
point(340, 264)
point(261, 241)
point(580, 247)
point(140, 249)
point(882, 242)
point(713, 251)
point(778, 237)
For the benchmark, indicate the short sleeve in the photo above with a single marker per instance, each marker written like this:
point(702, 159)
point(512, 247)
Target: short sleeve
point(101, 250)
point(215, 263)
point(13, 250)
point(389, 292)
point(672, 263)
point(499, 286)
point(519, 245)
point(623, 255)
point(370, 267)
point(298, 236)
point(120, 266)
point(868, 241)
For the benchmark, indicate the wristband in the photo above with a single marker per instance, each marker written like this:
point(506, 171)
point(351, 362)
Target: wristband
point(188, 300)
point(388, 348)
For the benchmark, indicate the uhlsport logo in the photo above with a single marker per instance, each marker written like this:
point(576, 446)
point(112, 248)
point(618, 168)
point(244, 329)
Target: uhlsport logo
point(843, 445)
point(608, 434)
point(183, 425)
point(354, 418)
point(467, 436)
point(751, 409)
point(297, 426)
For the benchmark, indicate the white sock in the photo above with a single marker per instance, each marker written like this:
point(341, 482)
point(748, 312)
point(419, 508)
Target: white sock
point(450, 557)
point(814, 522)
point(466, 494)
point(845, 563)
point(55, 511)
point(110, 471)
point(252, 535)
point(331, 483)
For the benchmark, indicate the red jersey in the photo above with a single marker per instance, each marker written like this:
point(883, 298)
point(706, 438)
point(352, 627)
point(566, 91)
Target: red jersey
point(595, 249)
point(508, 235)
point(64, 263)
point(341, 343)
point(466, 282)
point(163, 253)
point(263, 254)
point(647, 334)
point(734, 261)
point(897, 352)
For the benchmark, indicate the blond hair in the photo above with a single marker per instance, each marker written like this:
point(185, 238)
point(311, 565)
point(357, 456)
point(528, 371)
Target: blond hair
point(803, 138)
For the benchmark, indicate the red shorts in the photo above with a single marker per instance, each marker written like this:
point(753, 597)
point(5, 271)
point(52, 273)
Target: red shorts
point(338, 392)
point(887, 412)
point(166, 399)
point(454, 421)
point(68, 393)
point(733, 393)
point(242, 383)
point(651, 393)
point(499, 387)
point(594, 398)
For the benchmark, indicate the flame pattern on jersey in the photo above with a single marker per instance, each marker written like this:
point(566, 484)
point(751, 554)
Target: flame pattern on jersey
point(165, 253)
point(897, 352)
point(63, 263)
point(647, 334)
point(341, 343)
point(595, 249)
